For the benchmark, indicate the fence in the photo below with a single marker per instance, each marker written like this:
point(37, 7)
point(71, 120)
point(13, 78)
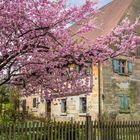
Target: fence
point(89, 130)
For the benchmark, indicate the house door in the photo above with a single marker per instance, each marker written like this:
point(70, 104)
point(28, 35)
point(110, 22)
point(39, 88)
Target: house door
point(48, 104)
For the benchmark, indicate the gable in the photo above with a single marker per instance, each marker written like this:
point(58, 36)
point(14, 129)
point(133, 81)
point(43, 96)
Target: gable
point(107, 18)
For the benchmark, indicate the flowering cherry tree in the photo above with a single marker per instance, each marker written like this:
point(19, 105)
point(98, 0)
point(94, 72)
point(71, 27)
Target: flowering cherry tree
point(37, 48)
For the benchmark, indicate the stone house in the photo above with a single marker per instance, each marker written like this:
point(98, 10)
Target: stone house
point(116, 90)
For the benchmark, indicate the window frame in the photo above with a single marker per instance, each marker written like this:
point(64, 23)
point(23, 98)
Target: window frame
point(87, 70)
point(126, 69)
point(124, 109)
point(63, 106)
point(24, 104)
point(81, 106)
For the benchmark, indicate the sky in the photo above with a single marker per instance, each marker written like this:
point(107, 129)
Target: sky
point(100, 4)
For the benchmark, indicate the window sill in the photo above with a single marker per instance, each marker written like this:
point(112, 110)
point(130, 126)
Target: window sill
point(124, 111)
point(82, 114)
point(34, 109)
point(63, 114)
point(123, 74)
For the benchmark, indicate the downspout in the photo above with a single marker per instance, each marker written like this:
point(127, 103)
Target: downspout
point(99, 91)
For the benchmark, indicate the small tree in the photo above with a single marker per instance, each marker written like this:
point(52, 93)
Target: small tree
point(4, 97)
point(14, 98)
point(10, 103)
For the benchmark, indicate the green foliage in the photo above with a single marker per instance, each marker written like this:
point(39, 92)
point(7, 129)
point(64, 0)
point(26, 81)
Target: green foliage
point(9, 105)
point(4, 94)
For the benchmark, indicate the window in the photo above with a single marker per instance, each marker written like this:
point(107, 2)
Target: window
point(86, 70)
point(78, 68)
point(35, 103)
point(124, 103)
point(83, 104)
point(69, 70)
point(63, 106)
point(122, 66)
point(24, 105)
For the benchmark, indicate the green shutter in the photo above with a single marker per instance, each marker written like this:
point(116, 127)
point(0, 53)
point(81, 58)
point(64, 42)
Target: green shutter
point(115, 65)
point(124, 102)
point(130, 67)
point(121, 102)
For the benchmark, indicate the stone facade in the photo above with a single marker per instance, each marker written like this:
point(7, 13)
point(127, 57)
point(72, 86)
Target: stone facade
point(39, 109)
point(117, 90)
point(73, 103)
point(115, 85)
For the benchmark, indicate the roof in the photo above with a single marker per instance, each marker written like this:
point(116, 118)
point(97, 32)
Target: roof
point(107, 18)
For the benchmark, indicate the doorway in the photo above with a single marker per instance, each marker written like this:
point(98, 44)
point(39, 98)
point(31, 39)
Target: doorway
point(48, 109)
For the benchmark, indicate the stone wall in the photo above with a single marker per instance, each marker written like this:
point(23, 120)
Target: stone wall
point(39, 111)
point(114, 85)
point(73, 103)
point(73, 108)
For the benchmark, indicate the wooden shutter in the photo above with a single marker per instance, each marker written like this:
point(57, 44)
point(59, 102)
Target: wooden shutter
point(130, 67)
point(124, 102)
point(115, 65)
point(121, 102)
